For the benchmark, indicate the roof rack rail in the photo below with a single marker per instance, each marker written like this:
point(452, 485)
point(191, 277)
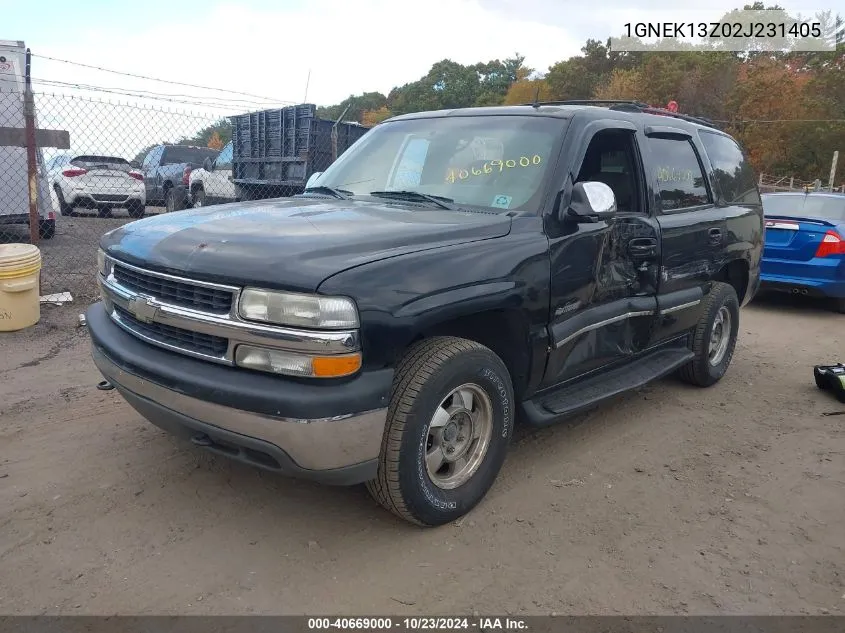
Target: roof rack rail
point(625, 105)
point(595, 102)
point(647, 109)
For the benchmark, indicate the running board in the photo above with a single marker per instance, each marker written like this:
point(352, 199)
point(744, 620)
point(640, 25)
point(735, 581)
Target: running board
point(550, 407)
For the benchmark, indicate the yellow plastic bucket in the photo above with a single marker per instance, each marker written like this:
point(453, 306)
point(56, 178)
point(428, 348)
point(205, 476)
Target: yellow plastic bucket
point(20, 305)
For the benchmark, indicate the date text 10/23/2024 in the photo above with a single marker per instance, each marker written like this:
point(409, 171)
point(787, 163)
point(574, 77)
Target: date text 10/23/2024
point(418, 623)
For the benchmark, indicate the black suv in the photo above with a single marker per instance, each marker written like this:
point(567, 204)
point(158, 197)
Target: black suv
point(450, 273)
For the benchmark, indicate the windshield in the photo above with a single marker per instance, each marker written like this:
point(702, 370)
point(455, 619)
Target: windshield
point(174, 154)
point(806, 206)
point(108, 162)
point(498, 162)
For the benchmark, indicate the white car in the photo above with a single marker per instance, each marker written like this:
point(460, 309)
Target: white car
point(98, 182)
point(213, 183)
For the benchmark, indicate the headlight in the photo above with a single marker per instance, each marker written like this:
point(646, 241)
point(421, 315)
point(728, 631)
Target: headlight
point(290, 364)
point(311, 311)
point(102, 263)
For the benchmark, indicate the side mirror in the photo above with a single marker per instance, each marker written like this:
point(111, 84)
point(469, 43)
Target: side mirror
point(313, 179)
point(589, 202)
point(208, 164)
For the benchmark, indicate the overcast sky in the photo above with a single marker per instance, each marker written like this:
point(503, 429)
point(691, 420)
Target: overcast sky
point(267, 47)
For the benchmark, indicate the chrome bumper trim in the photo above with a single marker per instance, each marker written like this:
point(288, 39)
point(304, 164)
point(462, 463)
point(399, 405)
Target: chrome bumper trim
point(313, 444)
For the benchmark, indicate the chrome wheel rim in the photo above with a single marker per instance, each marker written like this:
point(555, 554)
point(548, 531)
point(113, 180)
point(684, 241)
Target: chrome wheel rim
point(458, 436)
point(720, 336)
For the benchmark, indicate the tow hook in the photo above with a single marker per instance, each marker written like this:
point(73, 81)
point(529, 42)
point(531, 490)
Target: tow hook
point(202, 440)
point(104, 385)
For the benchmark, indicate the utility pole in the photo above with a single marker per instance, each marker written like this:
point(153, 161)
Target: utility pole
point(833, 169)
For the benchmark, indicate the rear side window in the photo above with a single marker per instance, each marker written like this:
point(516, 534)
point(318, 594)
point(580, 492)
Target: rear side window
point(734, 175)
point(680, 179)
point(177, 154)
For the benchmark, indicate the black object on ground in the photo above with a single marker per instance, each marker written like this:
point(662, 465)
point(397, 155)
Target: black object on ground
point(831, 378)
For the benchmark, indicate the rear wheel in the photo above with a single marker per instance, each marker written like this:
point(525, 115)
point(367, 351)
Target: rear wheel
point(839, 305)
point(449, 424)
point(135, 209)
point(173, 201)
point(46, 229)
point(714, 339)
point(64, 207)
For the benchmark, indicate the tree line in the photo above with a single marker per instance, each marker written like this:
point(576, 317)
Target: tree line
point(787, 108)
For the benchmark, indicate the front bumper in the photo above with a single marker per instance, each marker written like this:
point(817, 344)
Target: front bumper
point(325, 432)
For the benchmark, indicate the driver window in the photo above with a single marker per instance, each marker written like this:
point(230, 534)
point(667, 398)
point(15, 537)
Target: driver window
point(611, 159)
point(224, 159)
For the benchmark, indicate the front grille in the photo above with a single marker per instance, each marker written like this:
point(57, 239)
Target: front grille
point(179, 293)
point(109, 197)
point(177, 337)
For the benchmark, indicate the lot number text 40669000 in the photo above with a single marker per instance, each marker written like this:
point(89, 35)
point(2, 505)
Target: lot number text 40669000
point(420, 623)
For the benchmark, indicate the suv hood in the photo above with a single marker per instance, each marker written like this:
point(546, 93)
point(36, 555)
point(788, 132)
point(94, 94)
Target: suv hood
point(291, 244)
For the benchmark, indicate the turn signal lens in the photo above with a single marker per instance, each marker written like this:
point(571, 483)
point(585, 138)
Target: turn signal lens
point(334, 366)
point(290, 364)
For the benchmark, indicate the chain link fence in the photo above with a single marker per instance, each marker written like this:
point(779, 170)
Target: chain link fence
point(128, 161)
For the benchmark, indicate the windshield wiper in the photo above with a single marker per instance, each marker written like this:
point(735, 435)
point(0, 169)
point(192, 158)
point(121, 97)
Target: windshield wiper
point(440, 201)
point(342, 194)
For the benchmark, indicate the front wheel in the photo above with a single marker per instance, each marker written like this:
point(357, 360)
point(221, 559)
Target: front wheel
point(714, 339)
point(839, 305)
point(199, 198)
point(450, 421)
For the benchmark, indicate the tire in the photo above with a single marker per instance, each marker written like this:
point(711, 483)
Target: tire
point(199, 198)
point(104, 212)
point(173, 201)
point(47, 229)
point(135, 209)
point(839, 305)
point(64, 208)
point(720, 303)
point(429, 373)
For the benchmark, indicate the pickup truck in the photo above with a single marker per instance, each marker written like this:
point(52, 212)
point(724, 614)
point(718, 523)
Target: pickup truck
point(452, 273)
point(167, 169)
point(212, 183)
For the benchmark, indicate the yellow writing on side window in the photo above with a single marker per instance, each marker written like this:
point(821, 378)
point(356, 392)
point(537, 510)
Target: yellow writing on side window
point(493, 166)
point(670, 174)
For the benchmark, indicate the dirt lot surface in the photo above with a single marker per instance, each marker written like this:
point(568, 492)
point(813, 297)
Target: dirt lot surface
point(672, 500)
point(69, 258)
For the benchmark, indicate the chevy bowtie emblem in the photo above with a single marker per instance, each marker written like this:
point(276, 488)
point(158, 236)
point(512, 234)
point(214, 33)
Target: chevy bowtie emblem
point(143, 309)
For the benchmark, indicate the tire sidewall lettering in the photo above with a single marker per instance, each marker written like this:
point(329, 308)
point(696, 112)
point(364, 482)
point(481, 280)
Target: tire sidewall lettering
point(492, 383)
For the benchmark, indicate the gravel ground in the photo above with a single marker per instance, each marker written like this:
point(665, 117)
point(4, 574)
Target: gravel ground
point(69, 258)
point(672, 500)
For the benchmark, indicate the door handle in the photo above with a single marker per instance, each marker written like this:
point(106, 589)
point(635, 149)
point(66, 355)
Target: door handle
point(715, 235)
point(642, 248)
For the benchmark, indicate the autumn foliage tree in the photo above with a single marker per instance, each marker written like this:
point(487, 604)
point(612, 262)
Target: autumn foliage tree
point(215, 142)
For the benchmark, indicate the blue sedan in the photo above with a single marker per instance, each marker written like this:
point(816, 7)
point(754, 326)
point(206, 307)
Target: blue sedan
point(805, 245)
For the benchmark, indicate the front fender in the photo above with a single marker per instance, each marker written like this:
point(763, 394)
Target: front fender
point(401, 297)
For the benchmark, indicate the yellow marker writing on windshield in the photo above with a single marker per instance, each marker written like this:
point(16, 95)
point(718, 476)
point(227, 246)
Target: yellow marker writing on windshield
point(454, 175)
